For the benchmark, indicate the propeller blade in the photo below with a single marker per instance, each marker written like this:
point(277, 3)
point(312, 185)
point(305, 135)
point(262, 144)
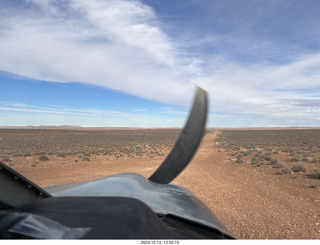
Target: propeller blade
point(187, 143)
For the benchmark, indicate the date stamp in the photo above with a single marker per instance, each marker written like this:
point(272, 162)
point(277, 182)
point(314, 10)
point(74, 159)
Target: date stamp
point(160, 242)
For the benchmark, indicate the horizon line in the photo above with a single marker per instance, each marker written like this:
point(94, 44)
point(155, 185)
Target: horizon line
point(137, 128)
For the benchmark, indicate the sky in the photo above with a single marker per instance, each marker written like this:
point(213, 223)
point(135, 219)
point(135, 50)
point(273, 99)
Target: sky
point(136, 63)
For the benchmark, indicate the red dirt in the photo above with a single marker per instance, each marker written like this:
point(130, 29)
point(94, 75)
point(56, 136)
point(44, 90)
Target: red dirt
point(253, 203)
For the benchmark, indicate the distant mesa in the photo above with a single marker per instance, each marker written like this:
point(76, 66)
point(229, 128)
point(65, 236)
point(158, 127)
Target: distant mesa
point(57, 126)
point(45, 127)
point(77, 127)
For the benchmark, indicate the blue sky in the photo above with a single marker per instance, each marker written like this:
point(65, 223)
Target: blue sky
point(123, 63)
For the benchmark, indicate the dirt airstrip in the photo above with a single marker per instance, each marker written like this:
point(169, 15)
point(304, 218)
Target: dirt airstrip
point(253, 203)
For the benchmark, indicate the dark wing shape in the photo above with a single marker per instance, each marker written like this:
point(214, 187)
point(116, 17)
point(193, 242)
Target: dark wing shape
point(16, 190)
point(187, 142)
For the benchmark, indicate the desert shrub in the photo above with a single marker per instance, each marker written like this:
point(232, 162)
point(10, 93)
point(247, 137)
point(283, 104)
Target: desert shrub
point(85, 158)
point(304, 159)
point(239, 161)
point(236, 148)
point(244, 153)
point(275, 152)
point(258, 164)
point(312, 186)
point(160, 154)
point(274, 161)
point(6, 159)
point(298, 167)
point(290, 151)
point(107, 153)
point(43, 158)
point(254, 160)
point(294, 159)
point(40, 153)
point(285, 170)
point(240, 155)
point(257, 161)
point(258, 154)
point(315, 173)
point(279, 164)
point(61, 155)
point(18, 155)
point(266, 157)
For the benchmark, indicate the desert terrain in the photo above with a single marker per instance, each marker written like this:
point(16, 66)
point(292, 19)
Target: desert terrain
point(260, 184)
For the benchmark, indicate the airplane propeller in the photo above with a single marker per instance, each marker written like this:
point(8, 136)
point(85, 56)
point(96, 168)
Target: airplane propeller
point(187, 143)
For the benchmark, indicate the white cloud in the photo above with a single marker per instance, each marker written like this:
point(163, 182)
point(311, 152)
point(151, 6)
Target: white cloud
point(246, 89)
point(116, 44)
point(130, 23)
point(121, 45)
